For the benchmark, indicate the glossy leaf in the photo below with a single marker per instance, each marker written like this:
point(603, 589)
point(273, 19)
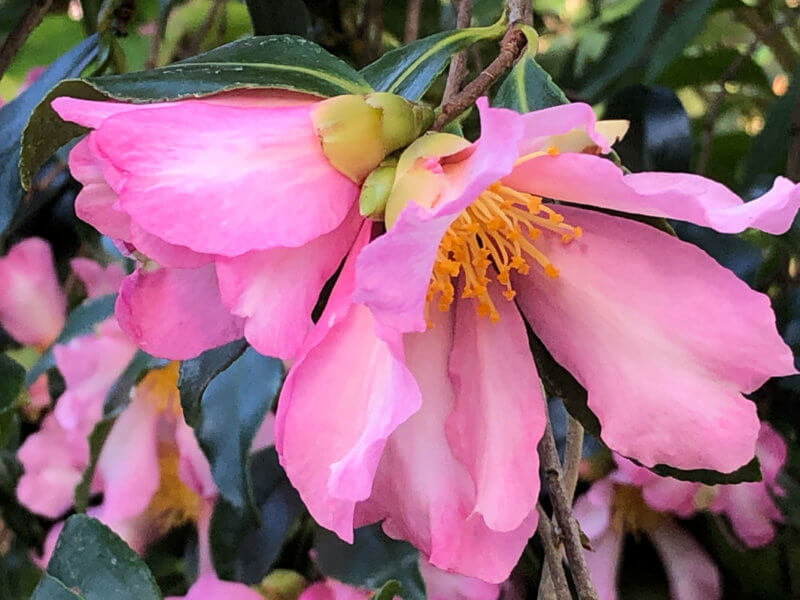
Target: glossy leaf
point(681, 30)
point(410, 70)
point(245, 552)
point(14, 116)
point(528, 87)
point(285, 62)
point(91, 562)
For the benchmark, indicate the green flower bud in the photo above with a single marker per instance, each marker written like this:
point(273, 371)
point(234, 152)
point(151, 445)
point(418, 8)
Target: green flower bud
point(376, 189)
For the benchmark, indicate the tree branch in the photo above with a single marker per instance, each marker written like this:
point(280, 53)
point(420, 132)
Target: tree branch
point(570, 532)
point(411, 29)
point(555, 586)
point(769, 32)
point(29, 21)
point(573, 453)
point(458, 64)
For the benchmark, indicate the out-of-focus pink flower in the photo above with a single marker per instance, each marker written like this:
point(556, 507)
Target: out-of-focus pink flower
point(440, 585)
point(609, 510)
point(210, 587)
point(330, 589)
point(239, 222)
point(749, 506)
point(444, 407)
point(97, 279)
point(32, 305)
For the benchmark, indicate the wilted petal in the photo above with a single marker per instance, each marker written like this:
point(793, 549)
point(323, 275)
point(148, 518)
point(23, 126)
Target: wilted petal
point(681, 338)
point(175, 313)
point(691, 572)
point(277, 289)
point(32, 305)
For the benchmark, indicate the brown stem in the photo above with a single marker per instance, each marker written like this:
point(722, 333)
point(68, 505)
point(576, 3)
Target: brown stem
point(555, 585)
point(511, 47)
point(573, 452)
point(570, 532)
point(32, 17)
point(371, 30)
point(411, 30)
point(520, 11)
point(458, 64)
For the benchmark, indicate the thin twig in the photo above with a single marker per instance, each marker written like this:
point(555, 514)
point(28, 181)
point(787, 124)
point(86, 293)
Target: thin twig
point(556, 585)
point(573, 452)
point(570, 532)
point(458, 64)
point(371, 30)
point(155, 43)
point(511, 47)
point(411, 30)
point(32, 17)
point(770, 34)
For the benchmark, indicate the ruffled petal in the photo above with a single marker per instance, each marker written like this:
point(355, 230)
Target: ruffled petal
point(394, 271)
point(691, 572)
point(175, 313)
point(277, 289)
point(422, 491)
point(680, 339)
point(32, 304)
point(248, 179)
point(499, 415)
point(594, 181)
point(330, 445)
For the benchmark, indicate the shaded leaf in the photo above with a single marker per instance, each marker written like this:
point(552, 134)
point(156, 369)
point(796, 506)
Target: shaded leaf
point(91, 562)
point(390, 590)
point(12, 376)
point(709, 67)
point(285, 61)
point(271, 17)
point(749, 472)
point(410, 70)
point(119, 395)
point(14, 116)
point(528, 87)
point(681, 30)
point(97, 438)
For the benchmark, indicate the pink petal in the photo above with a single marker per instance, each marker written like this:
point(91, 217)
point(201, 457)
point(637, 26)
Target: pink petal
point(334, 590)
point(595, 181)
point(593, 509)
point(129, 461)
point(541, 125)
point(209, 587)
point(441, 585)
point(422, 491)
point(247, 179)
point(277, 289)
point(193, 467)
point(90, 365)
point(164, 253)
point(679, 338)
point(663, 494)
point(330, 444)
point(175, 313)
point(32, 305)
point(39, 394)
point(394, 271)
point(98, 280)
point(771, 451)
point(691, 572)
point(265, 436)
point(499, 412)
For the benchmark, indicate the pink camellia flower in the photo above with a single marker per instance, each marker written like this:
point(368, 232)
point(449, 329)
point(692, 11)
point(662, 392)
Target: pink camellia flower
point(210, 587)
point(32, 305)
point(233, 205)
point(750, 506)
point(437, 413)
point(614, 507)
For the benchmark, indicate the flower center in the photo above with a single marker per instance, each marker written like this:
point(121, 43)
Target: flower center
point(160, 387)
point(174, 503)
point(493, 236)
point(630, 513)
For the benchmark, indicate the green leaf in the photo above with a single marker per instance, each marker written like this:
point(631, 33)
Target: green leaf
point(677, 36)
point(12, 376)
point(91, 562)
point(80, 322)
point(410, 70)
point(231, 409)
point(631, 37)
point(244, 552)
point(370, 561)
point(389, 591)
point(283, 61)
point(97, 438)
point(119, 395)
point(279, 16)
point(528, 87)
point(14, 116)
point(708, 67)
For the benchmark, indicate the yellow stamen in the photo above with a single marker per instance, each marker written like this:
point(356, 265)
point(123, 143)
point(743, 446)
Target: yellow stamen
point(174, 503)
point(496, 230)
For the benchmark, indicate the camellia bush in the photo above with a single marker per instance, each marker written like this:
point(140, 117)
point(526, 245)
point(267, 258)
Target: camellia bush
point(419, 299)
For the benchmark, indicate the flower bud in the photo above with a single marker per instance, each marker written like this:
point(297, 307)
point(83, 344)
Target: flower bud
point(282, 584)
point(358, 132)
point(376, 189)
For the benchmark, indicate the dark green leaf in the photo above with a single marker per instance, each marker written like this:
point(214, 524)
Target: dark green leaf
point(92, 562)
point(371, 561)
point(284, 61)
point(677, 36)
point(96, 440)
point(80, 322)
point(244, 552)
point(14, 116)
point(709, 67)
point(389, 591)
point(231, 410)
point(410, 70)
point(12, 376)
point(749, 472)
point(271, 17)
point(528, 87)
point(630, 38)
point(119, 395)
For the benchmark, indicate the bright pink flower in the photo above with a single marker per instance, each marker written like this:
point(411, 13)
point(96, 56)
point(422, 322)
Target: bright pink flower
point(444, 407)
point(32, 305)
point(609, 510)
point(239, 221)
point(210, 587)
